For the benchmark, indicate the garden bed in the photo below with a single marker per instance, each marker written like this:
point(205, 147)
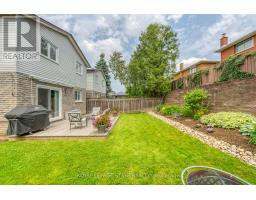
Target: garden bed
point(232, 136)
point(236, 151)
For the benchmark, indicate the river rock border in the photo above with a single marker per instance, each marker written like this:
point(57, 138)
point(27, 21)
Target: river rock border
point(235, 151)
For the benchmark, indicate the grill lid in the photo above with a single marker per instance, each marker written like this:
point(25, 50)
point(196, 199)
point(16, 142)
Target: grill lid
point(25, 111)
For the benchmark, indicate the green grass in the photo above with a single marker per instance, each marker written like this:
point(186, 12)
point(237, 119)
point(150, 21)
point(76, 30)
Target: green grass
point(140, 150)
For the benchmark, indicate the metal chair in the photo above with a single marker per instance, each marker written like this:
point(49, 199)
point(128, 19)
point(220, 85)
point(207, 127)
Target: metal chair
point(76, 117)
point(95, 111)
point(203, 175)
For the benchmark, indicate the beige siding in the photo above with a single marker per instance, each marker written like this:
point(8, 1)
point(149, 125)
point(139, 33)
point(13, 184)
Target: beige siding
point(89, 81)
point(96, 82)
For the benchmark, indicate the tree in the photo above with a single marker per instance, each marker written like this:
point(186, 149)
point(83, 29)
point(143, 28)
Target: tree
point(152, 62)
point(118, 67)
point(102, 65)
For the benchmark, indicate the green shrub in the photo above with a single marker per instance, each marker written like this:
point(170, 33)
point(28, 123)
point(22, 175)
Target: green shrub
point(247, 128)
point(250, 130)
point(171, 110)
point(186, 112)
point(158, 107)
point(228, 119)
point(231, 69)
point(195, 102)
point(253, 137)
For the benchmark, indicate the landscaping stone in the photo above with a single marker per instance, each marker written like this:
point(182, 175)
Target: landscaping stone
point(210, 130)
point(235, 151)
point(198, 125)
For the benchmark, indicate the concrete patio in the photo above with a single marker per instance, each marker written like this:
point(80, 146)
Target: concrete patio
point(61, 129)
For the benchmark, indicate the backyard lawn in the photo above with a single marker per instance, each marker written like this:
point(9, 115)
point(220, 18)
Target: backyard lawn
point(140, 150)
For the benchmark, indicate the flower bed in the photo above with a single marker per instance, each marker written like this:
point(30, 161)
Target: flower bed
point(221, 139)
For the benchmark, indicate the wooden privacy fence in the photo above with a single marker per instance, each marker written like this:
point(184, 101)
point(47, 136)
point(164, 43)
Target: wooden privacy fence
point(126, 105)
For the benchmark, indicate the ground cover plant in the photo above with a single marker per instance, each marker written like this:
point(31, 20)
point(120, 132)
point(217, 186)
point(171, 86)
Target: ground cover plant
point(249, 129)
point(227, 119)
point(171, 110)
point(140, 150)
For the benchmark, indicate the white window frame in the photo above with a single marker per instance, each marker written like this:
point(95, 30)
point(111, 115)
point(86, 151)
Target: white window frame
point(193, 70)
point(243, 44)
point(60, 99)
point(81, 71)
point(80, 96)
point(48, 56)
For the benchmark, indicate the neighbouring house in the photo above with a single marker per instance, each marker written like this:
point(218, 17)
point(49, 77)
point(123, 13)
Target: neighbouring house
point(183, 78)
point(96, 84)
point(210, 72)
point(244, 44)
point(57, 81)
point(118, 95)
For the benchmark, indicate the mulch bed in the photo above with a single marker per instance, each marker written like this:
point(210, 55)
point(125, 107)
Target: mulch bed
point(232, 136)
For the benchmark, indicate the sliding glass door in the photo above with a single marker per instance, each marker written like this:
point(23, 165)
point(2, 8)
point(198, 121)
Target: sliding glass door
point(50, 99)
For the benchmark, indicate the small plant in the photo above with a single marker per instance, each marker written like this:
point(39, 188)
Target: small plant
point(102, 121)
point(115, 111)
point(228, 119)
point(171, 110)
point(253, 137)
point(195, 102)
point(249, 129)
point(158, 107)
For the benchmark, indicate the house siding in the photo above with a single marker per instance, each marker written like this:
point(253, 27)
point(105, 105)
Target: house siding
point(225, 54)
point(5, 65)
point(96, 86)
point(20, 80)
point(63, 72)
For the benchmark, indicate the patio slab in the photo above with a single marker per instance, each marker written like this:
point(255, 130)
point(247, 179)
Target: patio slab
point(60, 129)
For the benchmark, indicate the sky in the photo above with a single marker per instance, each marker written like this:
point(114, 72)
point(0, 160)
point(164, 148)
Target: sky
point(198, 34)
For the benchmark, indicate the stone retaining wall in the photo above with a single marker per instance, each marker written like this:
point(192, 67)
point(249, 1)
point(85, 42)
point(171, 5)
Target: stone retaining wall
point(238, 95)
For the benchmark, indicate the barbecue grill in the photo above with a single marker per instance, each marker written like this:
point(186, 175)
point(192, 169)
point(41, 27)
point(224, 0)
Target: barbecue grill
point(27, 119)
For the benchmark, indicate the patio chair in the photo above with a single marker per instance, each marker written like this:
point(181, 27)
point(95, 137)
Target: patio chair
point(203, 175)
point(95, 111)
point(76, 118)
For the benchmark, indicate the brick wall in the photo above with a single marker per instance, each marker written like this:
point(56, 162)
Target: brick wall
point(20, 89)
point(239, 95)
point(8, 96)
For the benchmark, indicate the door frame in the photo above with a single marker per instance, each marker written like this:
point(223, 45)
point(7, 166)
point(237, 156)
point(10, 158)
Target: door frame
point(60, 99)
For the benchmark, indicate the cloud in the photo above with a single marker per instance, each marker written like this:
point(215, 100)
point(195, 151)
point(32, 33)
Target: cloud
point(106, 46)
point(198, 34)
point(176, 17)
point(189, 61)
point(234, 25)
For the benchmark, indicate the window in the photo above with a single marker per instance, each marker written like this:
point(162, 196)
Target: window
point(96, 79)
point(79, 68)
point(48, 50)
point(193, 70)
point(78, 95)
point(244, 45)
point(44, 47)
point(53, 53)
